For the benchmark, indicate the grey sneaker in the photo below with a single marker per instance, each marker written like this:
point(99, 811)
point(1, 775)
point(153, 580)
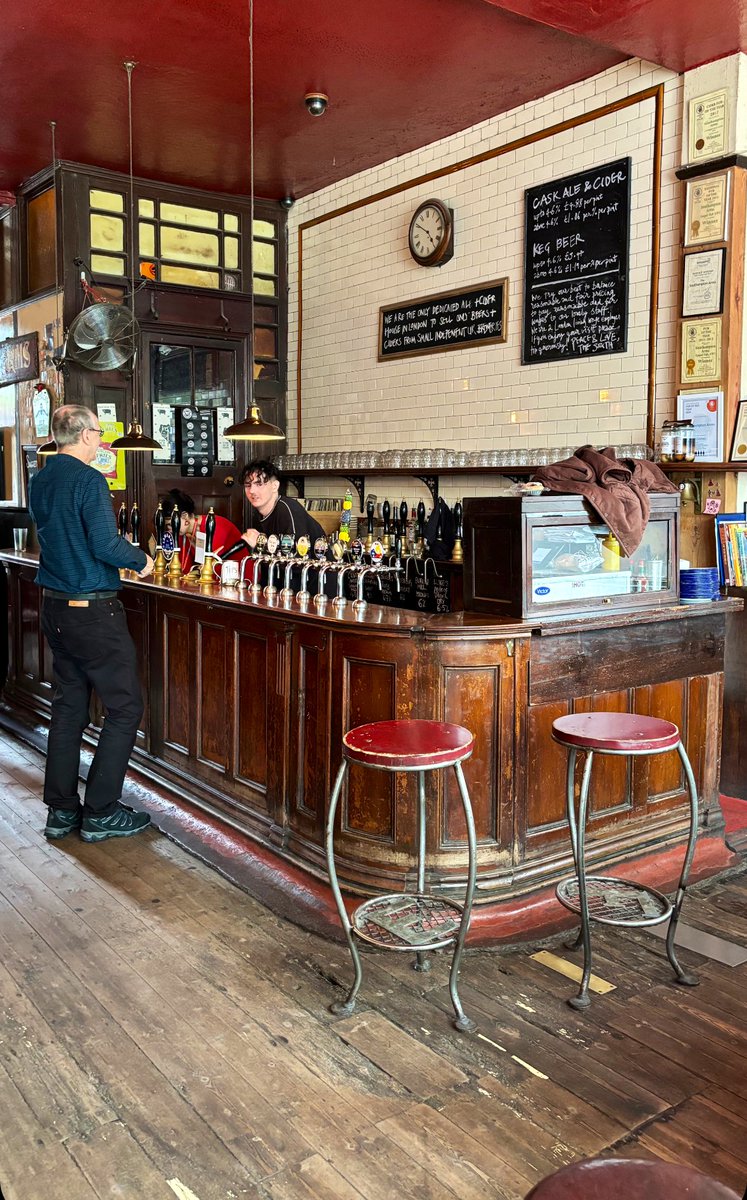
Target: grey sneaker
point(120, 823)
point(61, 822)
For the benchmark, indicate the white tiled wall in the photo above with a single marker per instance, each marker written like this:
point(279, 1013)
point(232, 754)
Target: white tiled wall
point(481, 397)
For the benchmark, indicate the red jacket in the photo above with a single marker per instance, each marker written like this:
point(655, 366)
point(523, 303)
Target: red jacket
point(225, 535)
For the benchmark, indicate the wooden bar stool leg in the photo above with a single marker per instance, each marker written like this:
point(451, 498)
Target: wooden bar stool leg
point(582, 1000)
point(462, 1021)
point(341, 1006)
point(422, 962)
point(686, 978)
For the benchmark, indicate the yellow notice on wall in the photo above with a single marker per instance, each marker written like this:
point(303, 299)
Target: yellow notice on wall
point(111, 463)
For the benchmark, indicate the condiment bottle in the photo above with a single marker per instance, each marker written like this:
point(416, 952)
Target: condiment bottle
point(610, 553)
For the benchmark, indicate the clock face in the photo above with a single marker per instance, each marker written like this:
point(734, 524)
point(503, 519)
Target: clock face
point(431, 234)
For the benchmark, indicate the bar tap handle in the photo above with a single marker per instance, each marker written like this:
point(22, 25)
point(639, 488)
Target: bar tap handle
point(457, 554)
point(135, 524)
point(370, 513)
point(386, 511)
point(175, 565)
point(421, 521)
point(159, 524)
point(404, 512)
point(209, 531)
point(122, 520)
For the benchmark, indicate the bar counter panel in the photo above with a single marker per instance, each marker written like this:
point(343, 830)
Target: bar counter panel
point(247, 703)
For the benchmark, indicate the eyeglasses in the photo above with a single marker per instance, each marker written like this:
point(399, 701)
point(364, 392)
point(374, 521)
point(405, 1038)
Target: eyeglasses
point(92, 429)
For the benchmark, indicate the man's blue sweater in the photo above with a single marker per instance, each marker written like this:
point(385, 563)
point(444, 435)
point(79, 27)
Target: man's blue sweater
point(80, 548)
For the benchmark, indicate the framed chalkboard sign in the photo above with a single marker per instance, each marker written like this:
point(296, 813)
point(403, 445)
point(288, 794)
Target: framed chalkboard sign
point(447, 321)
point(576, 265)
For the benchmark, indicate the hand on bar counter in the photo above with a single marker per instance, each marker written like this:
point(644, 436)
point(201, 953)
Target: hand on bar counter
point(147, 569)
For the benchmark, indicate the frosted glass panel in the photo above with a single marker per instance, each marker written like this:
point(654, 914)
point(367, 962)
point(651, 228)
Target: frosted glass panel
point(264, 257)
point(264, 229)
point(107, 233)
point(264, 287)
point(180, 214)
point(231, 222)
point(106, 264)
point(190, 277)
point(146, 208)
point(111, 201)
point(147, 238)
point(187, 246)
point(231, 252)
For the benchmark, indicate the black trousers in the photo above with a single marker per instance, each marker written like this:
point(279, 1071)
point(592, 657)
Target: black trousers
point(92, 651)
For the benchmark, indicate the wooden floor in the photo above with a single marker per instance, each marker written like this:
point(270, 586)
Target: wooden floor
point(164, 1035)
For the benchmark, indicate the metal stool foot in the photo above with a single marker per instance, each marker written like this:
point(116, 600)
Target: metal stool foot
point(464, 1024)
point(421, 962)
point(687, 979)
point(574, 943)
point(580, 1002)
point(342, 1008)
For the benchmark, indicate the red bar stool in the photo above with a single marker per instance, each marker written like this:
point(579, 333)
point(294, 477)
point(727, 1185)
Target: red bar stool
point(607, 899)
point(629, 1179)
point(407, 920)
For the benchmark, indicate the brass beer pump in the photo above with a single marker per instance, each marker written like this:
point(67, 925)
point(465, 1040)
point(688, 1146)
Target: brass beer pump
point(175, 566)
point(457, 554)
point(159, 524)
point(386, 512)
point(370, 511)
point(207, 575)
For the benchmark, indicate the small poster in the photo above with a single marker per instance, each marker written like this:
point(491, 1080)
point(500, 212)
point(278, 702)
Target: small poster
point(706, 206)
point(164, 431)
point(703, 283)
point(705, 410)
point(701, 351)
point(106, 412)
point(708, 120)
point(111, 463)
point(225, 449)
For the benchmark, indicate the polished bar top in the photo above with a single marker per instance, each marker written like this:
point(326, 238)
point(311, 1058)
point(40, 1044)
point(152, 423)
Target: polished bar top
point(441, 625)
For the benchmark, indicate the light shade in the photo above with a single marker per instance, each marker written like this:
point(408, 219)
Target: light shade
point(46, 448)
point(254, 429)
point(135, 439)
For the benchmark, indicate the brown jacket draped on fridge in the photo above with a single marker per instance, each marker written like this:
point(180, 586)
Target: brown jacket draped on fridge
point(615, 488)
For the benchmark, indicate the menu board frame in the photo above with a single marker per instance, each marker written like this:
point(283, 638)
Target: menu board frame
point(558, 199)
point(452, 298)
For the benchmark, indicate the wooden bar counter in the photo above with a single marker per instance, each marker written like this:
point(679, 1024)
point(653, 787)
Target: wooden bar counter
point(247, 702)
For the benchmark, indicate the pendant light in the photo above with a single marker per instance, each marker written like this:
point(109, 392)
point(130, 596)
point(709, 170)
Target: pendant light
point(50, 447)
point(253, 428)
point(134, 439)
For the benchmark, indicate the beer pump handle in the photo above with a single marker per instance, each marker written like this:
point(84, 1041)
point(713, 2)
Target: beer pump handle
point(234, 548)
point(122, 520)
point(386, 511)
point(458, 519)
point(159, 524)
point(403, 514)
point(421, 519)
point(176, 522)
point(370, 511)
point(135, 524)
point(209, 531)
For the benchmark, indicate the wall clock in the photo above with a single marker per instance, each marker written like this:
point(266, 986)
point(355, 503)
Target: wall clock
point(431, 236)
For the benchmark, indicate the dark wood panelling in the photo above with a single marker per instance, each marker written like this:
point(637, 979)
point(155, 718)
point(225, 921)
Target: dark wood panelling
point(252, 662)
point(211, 688)
point(665, 776)
point(472, 698)
point(29, 628)
point(545, 790)
point(136, 607)
point(601, 660)
point(611, 777)
point(734, 760)
point(309, 735)
point(178, 676)
point(369, 693)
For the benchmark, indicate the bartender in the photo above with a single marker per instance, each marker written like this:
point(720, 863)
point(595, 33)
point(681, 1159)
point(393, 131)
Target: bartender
point(270, 512)
point(226, 534)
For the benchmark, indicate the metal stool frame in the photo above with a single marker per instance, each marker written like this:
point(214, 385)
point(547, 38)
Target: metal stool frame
point(577, 827)
point(461, 1022)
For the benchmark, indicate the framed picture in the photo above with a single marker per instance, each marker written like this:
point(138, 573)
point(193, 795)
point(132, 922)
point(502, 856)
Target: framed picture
point(739, 444)
point(705, 410)
point(706, 206)
point(703, 283)
point(708, 123)
point(701, 351)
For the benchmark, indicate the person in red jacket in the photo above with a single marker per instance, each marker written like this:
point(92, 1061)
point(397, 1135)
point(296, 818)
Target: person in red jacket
point(226, 534)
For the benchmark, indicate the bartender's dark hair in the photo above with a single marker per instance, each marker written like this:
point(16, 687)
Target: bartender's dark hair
point(263, 467)
point(182, 501)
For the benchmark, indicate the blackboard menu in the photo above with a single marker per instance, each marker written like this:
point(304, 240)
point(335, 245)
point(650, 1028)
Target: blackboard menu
point(444, 322)
point(576, 265)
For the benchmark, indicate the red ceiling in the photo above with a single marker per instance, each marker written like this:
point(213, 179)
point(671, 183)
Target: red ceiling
point(399, 73)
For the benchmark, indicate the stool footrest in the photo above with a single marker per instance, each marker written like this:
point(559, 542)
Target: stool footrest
point(407, 921)
point(614, 901)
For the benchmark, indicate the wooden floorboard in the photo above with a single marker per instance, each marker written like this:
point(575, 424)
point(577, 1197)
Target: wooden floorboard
point(164, 1035)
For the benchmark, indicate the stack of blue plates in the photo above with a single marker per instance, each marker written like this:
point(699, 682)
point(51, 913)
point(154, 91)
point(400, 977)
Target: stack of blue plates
point(699, 584)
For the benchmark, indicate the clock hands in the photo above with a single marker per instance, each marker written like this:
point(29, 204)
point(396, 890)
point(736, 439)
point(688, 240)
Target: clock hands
point(427, 233)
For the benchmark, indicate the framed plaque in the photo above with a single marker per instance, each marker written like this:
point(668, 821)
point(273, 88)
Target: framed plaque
point(739, 444)
point(705, 410)
point(707, 126)
point(19, 358)
point(701, 351)
point(703, 283)
point(705, 209)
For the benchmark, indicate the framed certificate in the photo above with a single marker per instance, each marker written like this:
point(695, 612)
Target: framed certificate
point(705, 410)
point(703, 283)
point(739, 444)
point(707, 126)
point(701, 351)
point(705, 209)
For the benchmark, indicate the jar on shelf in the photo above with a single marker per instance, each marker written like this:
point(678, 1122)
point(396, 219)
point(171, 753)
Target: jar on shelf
point(677, 442)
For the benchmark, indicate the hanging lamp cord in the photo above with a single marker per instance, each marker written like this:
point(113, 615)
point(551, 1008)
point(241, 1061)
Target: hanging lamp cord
point(129, 67)
point(250, 391)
